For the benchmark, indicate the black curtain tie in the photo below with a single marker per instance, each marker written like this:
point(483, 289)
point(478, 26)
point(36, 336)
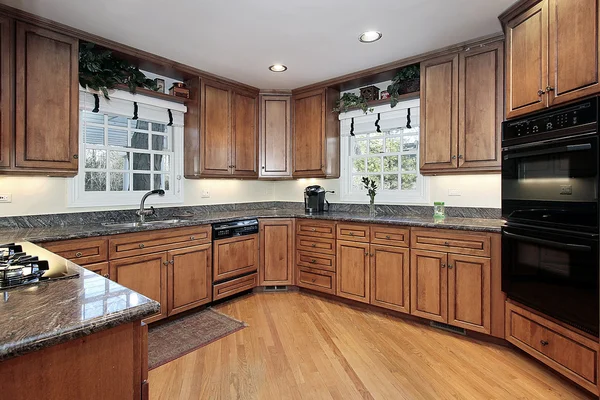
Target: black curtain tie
point(170, 118)
point(408, 120)
point(352, 127)
point(377, 123)
point(135, 111)
point(96, 103)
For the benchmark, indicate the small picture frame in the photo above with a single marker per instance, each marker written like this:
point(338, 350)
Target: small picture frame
point(161, 85)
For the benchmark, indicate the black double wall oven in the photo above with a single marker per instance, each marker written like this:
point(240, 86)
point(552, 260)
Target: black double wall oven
point(550, 178)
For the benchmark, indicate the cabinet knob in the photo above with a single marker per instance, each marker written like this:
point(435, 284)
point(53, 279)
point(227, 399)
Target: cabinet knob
point(366, 254)
point(446, 244)
point(78, 254)
point(372, 254)
point(313, 230)
point(314, 245)
point(313, 261)
point(388, 237)
point(192, 237)
point(549, 89)
point(314, 280)
point(142, 245)
point(263, 167)
point(107, 276)
point(443, 265)
point(165, 263)
point(450, 266)
point(544, 342)
point(454, 157)
point(541, 92)
point(75, 156)
point(351, 233)
point(460, 156)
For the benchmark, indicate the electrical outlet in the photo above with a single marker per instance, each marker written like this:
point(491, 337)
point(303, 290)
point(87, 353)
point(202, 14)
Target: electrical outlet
point(205, 194)
point(453, 192)
point(5, 198)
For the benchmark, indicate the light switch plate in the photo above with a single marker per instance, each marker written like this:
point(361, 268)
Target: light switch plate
point(5, 198)
point(453, 192)
point(205, 194)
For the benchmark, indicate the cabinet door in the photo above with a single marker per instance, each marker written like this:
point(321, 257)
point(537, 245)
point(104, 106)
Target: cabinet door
point(244, 147)
point(216, 132)
point(276, 252)
point(146, 275)
point(309, 134)
point(6, 85)
point(275, 137)
point(439, 113)
point(481, 107)
point(574, 53)
point(527, 61)
point(390, 272)
point(353, 276)
point(99, 268)
point(47, 99)
point(189, 277)
point(469, 292)
point(428, 285)
point(234, 257)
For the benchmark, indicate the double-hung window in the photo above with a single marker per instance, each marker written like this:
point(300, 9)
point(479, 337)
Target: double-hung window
point(383, 146)
point(122, 157)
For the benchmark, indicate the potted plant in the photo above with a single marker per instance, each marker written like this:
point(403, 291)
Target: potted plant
point(371, 187)
point(350, 100)
point(407, 80)
point(100, 70)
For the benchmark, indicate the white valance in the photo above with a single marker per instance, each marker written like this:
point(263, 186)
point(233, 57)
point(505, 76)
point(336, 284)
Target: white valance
point(389, 118)
point(122, 103)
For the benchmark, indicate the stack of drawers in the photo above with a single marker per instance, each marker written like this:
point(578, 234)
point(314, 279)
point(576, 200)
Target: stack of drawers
point(315, 255)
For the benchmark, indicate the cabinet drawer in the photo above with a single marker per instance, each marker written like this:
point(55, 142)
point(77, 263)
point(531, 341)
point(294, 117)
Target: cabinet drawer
point(353, 232)
point(81, 251)
point(564, 350)
point(451, 242)
point(316, 279)
point(390, 236)
point(315, 244)
point(132, 244)
point(315, 228)
point(315, 260)
point(238, 285)
point(99, 268)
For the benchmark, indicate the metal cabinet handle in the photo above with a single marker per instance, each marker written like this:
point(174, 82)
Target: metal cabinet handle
point(192, 237)
point(314, 280)
point(142, 245)
point(446, 244)
point(75, 156)
point(165, 263)
point(313, 230)
point(443, 265)
point(263, 167)
point(314, 245)
point(388, 237)
point(351, 233)
point(549, 89)
point(366, 254)
point(544, 342)
point(541, 92)
point(372, 254)
point(450, 266)
point(78, 254)
point(313, 261)
point(460, 156)
point(172, 262)
point(454, 157)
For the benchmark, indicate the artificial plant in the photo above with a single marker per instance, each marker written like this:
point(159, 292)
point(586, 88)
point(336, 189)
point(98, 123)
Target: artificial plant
point(100, 70)
point(350, 100)
point(406, 74)
point(371, 187)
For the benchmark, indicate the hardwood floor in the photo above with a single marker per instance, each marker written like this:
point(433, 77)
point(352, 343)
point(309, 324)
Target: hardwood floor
point(301, 346)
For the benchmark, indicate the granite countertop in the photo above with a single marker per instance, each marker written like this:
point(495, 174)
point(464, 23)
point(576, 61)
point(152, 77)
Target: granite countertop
point(48, 313)
point(52, 233)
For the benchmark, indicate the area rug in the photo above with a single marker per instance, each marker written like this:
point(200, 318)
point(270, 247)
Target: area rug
point(177, 338)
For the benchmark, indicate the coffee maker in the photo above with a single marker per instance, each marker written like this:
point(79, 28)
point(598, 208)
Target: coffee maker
point(314, 200)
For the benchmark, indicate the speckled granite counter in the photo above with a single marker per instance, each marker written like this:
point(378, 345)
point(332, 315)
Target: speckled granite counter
point(51, 233)
point(41, 315)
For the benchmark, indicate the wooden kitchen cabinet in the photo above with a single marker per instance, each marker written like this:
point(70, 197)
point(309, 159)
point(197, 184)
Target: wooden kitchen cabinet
point(353, 271)
point(429, 285)
point(6, 90)
point(390, 277)
point(235, 256)
point(189, 278)
point(244, 136)
point(276, 252)
point(81, 251)
point(275, 136)
point(99, 268)
point(146, 275)
point(47, 101)
point(316, 134)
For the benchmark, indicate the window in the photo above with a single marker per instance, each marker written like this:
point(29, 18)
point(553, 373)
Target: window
point(122, 158)
point(389, 156)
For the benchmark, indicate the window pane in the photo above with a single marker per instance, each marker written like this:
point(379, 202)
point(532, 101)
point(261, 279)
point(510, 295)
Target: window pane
point(141, 161)
point(161, 181)
point(410, 143)
point(392, 145)
point(409, 181)
point(358, 165)
point(377, 179)
point(95, 181)
point(141, 181)
point(161, 162)
point(390, 163)
point(114, 120)
point(117, 137)
point(357, 182)
point(376, 146)
point(137, 124)
point(95, 158)
point(409, 162)
point(139, 140)
point(119, 160)
point(374, 164)
point(94, 118)
point(156, 127)
point(360, 147)
point(390, 182)
point(394, 132)
point(160, 142)
point(94, 135)
point(119, 182)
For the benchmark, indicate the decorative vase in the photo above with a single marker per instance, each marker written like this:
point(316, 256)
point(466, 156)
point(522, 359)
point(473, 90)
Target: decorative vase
point(372, 207)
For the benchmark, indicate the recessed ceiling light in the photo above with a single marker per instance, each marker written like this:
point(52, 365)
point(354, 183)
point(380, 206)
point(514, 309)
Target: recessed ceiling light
point(277, 68)
point(370, 36)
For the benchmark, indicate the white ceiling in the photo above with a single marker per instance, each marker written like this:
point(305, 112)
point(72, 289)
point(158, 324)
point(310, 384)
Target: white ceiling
point(239, 39)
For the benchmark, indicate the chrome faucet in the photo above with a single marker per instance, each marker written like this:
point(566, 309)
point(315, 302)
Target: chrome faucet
point(142, 212)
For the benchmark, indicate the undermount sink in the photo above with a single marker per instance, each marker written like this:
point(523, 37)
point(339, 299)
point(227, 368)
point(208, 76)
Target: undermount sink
point(138, 224)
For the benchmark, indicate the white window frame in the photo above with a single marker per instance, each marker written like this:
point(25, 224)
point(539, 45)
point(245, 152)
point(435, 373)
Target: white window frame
point(417, 197)
point(121, 104)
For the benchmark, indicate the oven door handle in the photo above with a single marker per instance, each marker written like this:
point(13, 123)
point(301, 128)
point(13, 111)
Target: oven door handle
point(558, 245)
point(555, 150)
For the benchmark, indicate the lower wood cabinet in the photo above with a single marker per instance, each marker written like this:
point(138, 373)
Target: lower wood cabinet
point(189, 278)
point(353, 276)
point(390, 282)
point(276, 252)
point(99, 268)
point(234, 257)
point(146, 275)
point(316, 279)
point(428, 288)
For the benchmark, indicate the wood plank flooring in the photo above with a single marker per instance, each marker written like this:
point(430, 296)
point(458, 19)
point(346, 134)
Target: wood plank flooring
point(301, 346)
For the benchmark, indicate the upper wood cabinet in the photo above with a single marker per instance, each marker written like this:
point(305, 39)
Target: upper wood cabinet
point(275, 136)
point(316, 134)
point(228, 145)
point(6, 90)
point(276, 252)
point(462, 110)
point(47, 101)
point(552, 54)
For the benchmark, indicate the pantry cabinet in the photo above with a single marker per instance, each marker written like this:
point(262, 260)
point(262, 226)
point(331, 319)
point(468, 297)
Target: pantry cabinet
point(275, 136)
point(6, 90)
point(552, 54)
point(276, 252)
